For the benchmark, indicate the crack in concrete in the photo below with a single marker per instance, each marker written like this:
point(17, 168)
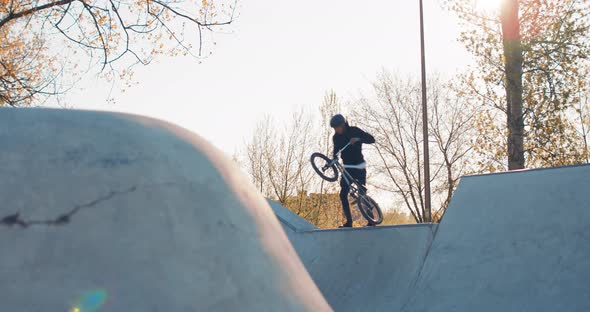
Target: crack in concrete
point(65, 218)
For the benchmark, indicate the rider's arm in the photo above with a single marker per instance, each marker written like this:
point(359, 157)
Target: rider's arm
point(365, 137)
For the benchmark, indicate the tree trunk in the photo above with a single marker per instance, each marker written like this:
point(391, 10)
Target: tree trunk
point(513, 68)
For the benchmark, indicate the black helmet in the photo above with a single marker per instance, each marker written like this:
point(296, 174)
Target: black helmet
point(337, 120)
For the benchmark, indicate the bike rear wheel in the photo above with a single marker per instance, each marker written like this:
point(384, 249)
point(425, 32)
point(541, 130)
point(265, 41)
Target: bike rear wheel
point(321, 165)
point(370, 209)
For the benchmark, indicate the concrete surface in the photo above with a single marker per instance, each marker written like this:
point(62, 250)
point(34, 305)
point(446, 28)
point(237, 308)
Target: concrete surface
point(126, 213)
point(512, 242)
point(113, 212)
point(289, 219)
point(364, 269)
point(360, 269)
point(509, 242)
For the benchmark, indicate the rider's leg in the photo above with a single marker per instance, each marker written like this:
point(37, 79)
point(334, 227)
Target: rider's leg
point(361, 176)
point(344, 190)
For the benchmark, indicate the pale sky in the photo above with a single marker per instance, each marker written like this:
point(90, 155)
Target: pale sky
point(282, 55)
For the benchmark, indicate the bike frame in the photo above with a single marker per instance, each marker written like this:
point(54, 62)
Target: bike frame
point(345, 175)
point(357, 191)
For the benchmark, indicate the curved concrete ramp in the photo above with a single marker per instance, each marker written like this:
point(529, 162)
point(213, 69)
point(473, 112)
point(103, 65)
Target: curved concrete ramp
point(364, 269)
point(289, 219)
point(512, 242)
point(361, 269)
point(112, 212)
point(516, 241)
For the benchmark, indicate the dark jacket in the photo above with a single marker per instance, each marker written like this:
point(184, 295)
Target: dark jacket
point(352, 155)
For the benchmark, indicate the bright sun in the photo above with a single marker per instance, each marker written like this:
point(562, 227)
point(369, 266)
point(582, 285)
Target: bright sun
point(488, 5)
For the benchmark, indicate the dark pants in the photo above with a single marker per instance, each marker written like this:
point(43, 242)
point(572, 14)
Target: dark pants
point(361, 176)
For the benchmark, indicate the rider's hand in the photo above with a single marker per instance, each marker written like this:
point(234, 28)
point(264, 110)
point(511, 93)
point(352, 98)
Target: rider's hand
point(354, 140)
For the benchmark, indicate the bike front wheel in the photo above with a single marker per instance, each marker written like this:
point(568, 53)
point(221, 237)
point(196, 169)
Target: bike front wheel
point(370, 209)
point(321, 165)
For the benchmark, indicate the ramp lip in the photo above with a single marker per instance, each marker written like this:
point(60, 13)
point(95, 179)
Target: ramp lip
point(525, 170)
point(370, 228)
point(289, 218)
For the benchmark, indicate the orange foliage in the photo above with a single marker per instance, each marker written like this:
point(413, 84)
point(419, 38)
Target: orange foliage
point(41, 41)
point(555, 43)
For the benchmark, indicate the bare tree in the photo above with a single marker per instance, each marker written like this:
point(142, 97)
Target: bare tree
point(277, 158)
point(255, 153)
point(451, 128)
point(286, 155)
point(393, 116)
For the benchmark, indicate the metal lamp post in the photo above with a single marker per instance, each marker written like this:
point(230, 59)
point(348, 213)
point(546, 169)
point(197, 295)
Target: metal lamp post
point(428, 211)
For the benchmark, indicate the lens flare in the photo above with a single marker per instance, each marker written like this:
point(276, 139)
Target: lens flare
point(90, 301)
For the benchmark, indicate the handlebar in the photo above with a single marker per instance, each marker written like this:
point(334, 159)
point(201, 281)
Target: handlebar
point(341, 150)
point(335, 157)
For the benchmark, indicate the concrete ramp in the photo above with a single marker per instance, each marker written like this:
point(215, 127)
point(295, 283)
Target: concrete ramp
point(361, 269)
point(516, 241)
point(364, 269)
point(511, 242)
point(113, 212)
point(291, 222)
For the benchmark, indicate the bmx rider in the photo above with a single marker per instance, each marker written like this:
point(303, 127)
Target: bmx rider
point(352, 157)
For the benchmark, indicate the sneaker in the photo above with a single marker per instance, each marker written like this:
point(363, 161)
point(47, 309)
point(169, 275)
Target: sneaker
point(346, 225)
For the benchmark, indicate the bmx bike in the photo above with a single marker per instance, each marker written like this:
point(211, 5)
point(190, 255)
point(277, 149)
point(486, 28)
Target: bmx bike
point(329, 169)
